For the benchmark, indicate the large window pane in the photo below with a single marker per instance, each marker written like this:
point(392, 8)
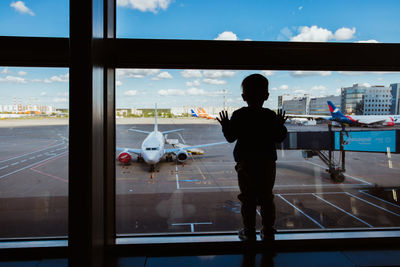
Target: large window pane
point(37, 18)
point(316, 21)
point(34, 152)
point(199, 194)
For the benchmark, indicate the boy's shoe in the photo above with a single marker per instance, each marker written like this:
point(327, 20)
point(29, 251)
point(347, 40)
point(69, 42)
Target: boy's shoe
point(247, 235)
point(268, 234)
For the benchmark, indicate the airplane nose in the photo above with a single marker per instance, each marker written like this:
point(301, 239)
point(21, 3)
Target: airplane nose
point(151, 159)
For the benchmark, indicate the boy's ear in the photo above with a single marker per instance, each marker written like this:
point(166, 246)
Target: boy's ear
point(244, 97)
point(266, 96)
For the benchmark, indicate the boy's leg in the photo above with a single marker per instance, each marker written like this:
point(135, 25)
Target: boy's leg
point(267, 201)
point(247, 197)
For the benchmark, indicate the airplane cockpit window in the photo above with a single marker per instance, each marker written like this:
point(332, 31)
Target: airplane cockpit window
point(337, 161)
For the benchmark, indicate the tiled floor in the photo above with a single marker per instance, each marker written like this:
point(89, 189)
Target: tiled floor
point(298, 259)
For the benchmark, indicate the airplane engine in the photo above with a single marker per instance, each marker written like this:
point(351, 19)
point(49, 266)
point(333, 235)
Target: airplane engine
point(124, 157)
point(182, 156)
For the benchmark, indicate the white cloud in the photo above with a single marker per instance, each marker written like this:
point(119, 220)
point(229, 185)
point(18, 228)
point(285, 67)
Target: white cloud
point(268, 72)
point(63, 94)
point(227, 36)
point(302, 73)
point(130, 93)
point(13, 79)
point(60, 99)
point(20, 7)
point(63, 78)
point(193, 83)
point(196, 91)
point(365, 84)
point(162, 75)
point(191, 74)
point(372, 41)
point(22, 73)
point(219, 73)
point(344, 33)
point(214, 81)
point(5, 71)
point(171, 92)
point(43, 94)
point(319, 34)
point(312, 34)
point(284, 87)
point(300, 7)
point(136, 73)
point(318, 88)
point(300, 92)
point(118, 83)
point(145, 5)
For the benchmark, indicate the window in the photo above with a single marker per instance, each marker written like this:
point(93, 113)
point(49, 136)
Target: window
point(196, 192)
point(34, 113)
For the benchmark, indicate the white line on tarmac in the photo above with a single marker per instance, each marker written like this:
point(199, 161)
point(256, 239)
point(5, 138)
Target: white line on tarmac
point(299, 210)
point(4, 167)
point(345, 174)
point(342, 210)
point(31, 152)
point(176, 176)
point(380, 199)
point(372, 204)
point(26, 167)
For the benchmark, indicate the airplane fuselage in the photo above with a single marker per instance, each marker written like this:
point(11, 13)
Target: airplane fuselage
point(153, 148)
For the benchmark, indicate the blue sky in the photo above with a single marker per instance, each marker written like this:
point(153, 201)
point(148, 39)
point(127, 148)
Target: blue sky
point(279, 20)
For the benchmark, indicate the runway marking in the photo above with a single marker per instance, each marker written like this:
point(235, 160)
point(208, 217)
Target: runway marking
point(299, 210)
point(4, 167)
point(191, 225)
point(15, 163)
point(345, 174)
point(362, 191)
point(35, 151)
point(176, 176)
point(48, 174)
point(372, 204)
point(342, 210)
point(26, 167)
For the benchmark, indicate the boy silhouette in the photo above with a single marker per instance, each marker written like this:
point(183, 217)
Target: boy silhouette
point(257, 130)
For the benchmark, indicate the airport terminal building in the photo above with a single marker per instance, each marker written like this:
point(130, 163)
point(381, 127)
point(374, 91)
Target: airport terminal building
point(307, 105)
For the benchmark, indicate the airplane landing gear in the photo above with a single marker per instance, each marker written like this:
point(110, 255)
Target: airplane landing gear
point(140, 159)
point(152, 168)
point(168, 158)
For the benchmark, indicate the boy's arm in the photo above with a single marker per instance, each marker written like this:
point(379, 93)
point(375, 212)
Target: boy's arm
point(281, 130)
point(227, 126)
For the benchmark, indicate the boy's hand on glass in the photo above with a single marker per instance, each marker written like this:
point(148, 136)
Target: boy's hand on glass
point(281, 116)
point(223, 119)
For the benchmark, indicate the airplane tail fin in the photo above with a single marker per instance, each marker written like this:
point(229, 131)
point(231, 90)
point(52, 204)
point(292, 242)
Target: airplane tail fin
point(155, 118)
point(194, 114)
point(335, 112)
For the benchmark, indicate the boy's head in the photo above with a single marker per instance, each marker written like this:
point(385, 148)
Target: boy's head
point(255, 90)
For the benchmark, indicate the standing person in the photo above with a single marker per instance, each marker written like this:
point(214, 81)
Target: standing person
point(257, 130)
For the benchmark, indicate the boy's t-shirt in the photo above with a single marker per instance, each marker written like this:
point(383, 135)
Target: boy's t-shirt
point(257, 130)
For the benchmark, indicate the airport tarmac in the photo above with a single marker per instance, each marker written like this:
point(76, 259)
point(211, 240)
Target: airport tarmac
point(198, 196)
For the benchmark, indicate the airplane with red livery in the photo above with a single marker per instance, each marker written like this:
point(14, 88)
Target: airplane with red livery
point(153, 148)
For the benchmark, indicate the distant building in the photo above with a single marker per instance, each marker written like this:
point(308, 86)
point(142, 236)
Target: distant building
point(367, 100)
point(319, 105)
point(136, 112)
point(283, 98)
point(395, 91)
point(296, 105)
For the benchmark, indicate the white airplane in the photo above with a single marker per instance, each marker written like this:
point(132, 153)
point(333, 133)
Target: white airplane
point(153, 148)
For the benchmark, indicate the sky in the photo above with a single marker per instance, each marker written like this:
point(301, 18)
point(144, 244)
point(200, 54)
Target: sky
point(244, 20)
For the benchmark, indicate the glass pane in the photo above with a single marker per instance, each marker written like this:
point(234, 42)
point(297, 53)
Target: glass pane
point(316, 21)
point(33, 152)
point(37, 18)
point(196, 191)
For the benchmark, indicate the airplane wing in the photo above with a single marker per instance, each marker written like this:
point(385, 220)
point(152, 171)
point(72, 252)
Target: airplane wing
point(176, 149)
point(172, 131)
point(304, 116)
point(132, 150)
point(139, 131)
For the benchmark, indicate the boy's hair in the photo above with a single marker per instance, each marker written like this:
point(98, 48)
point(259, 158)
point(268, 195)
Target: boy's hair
point(255, 84)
